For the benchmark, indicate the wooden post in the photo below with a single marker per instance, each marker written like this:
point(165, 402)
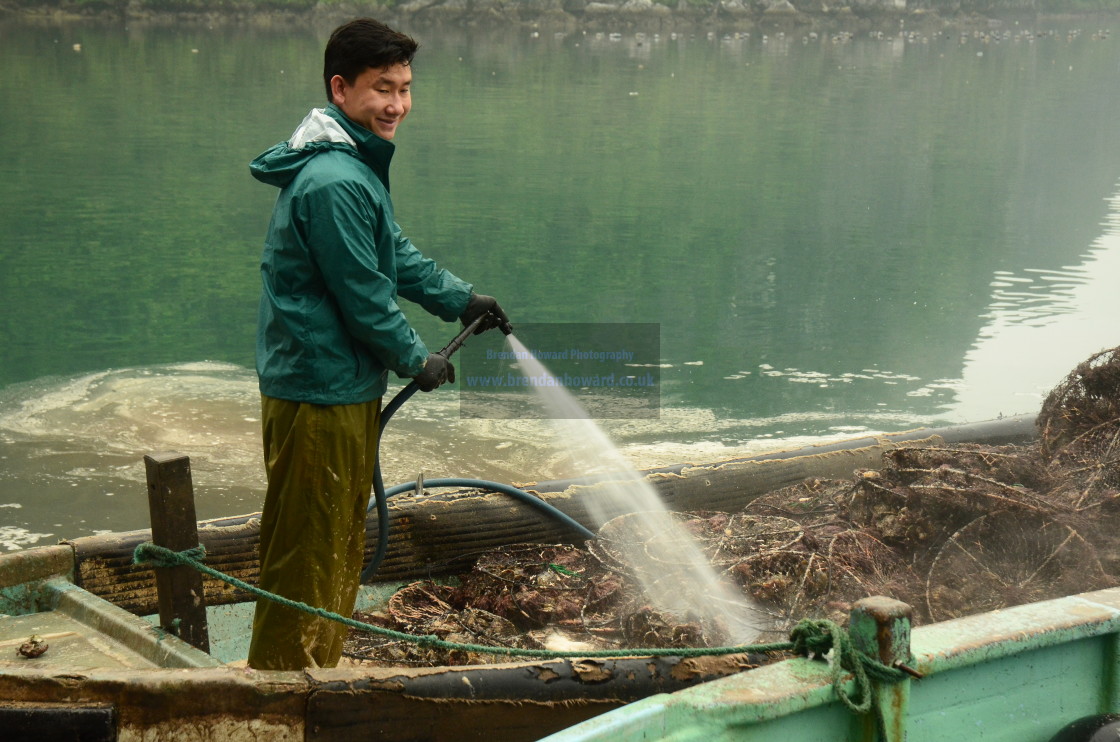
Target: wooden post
point(182, 605)
point(880, 628)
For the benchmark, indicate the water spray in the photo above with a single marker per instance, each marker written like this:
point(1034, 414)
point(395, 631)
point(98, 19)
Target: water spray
point(692, 586)
point(697, 588)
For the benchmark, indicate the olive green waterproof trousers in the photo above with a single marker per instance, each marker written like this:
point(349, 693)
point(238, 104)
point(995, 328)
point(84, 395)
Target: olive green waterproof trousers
point(319, 460)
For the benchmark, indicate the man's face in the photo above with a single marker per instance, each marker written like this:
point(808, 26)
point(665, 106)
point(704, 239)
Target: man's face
point(379, 99)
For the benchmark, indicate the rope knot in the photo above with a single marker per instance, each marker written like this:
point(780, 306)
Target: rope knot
point(824, 638)
point(161, 556)
point(815, 637)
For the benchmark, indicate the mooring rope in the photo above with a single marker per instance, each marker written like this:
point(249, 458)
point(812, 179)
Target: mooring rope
point(825, 638)
point(812, 638)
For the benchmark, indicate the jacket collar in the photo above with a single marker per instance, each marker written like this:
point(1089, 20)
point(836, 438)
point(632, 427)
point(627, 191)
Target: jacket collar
point(372, 149)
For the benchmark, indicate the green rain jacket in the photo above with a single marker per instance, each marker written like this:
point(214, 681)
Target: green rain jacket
point(335, 261)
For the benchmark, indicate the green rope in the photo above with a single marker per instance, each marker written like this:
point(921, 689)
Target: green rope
point(163, 557)
point(825, 638)
point(812, 638)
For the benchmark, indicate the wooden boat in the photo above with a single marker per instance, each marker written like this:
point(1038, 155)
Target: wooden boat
point(110, 673)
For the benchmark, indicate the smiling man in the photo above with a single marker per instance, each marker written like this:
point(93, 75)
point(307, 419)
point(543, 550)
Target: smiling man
point(379, 99)
point(329, 331)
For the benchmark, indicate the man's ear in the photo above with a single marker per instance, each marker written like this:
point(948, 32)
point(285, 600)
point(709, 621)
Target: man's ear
point(338, 90)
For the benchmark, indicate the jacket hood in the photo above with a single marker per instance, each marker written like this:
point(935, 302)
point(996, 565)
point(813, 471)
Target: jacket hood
point(322, 129)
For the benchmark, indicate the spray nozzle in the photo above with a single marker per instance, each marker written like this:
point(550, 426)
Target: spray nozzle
point(454, 345)
point(461, 338)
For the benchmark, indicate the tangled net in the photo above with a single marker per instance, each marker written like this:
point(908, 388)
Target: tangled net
point(1079, 432)
point(951, 530)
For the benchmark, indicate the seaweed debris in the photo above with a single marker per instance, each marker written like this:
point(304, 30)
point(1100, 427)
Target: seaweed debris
point(951, 530)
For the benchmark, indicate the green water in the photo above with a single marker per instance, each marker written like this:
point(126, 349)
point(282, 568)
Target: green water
point(834, 236)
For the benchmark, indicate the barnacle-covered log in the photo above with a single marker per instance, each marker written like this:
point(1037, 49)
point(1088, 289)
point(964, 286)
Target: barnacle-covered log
point(440, 533)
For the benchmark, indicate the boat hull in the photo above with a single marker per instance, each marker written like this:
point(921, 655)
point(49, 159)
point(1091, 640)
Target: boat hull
point(147, 684)
point(1020, 674)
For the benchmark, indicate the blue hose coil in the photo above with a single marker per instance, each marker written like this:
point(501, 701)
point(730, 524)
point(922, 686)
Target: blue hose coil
point(381, 495)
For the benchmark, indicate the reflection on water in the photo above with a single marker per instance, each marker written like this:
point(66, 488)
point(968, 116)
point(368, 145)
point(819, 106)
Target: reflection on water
point(1040, 324)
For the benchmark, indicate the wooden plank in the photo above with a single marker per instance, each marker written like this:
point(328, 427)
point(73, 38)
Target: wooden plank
point(25, 722)
point(342, 717)
point(217, 704)
point(182, 604)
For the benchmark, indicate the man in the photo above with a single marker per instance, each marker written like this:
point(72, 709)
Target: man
point(329, 332)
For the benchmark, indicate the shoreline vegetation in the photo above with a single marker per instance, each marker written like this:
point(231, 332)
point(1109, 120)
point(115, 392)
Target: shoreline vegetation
point(577, 15)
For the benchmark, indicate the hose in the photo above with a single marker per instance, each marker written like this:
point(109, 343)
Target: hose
point(381, 496)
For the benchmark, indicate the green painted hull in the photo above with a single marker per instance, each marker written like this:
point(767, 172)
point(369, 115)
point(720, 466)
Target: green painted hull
point(1015, 675)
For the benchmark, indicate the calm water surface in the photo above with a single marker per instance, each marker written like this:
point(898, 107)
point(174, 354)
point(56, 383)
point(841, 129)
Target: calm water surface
point(835, 236)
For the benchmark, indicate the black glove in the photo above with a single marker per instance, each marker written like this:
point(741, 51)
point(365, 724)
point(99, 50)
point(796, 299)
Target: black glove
point(436, 371)
point(480, 305)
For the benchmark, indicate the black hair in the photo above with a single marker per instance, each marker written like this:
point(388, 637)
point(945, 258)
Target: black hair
point(363, 43)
